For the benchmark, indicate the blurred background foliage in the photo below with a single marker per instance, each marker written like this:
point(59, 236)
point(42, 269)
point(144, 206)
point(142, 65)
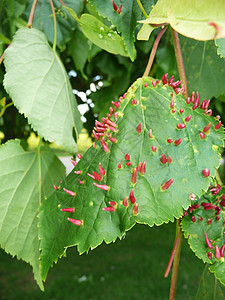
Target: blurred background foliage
point(97, 78)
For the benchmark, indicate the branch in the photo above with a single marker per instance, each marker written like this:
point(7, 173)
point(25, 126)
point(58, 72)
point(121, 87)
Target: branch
point(152, 54)
point(180, 62)
point(55, 25)
point(173, 284)
point(30, 21)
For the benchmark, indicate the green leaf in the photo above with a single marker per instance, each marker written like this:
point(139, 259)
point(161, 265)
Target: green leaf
point(191, 18)
point(220, 47)
point(204, 68)
point(211, 223)
point(126, 21)
point(209, 287)
point(43, 19)
point(39, 87)
point(26, 178)
point(101, 35)
point(155, 205)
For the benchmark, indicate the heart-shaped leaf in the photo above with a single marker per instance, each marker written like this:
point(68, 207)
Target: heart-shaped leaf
point(26, 178)
point(153, 157)
point(39, 86)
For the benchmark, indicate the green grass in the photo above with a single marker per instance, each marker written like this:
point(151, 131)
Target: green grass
point(129, 269)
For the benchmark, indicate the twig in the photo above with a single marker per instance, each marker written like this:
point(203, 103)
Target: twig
point(4, 108)
point(142, 9)
point(152, 54)
point(3, 54)
point(171, 258)
point(180, 62)
point(30, 21)
point(173, 283)
point(55, 25)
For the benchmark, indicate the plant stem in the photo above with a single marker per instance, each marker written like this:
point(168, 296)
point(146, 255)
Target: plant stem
point(63, 4)
point(180, 62)
point(152, 54)
point(4, 108)
point(176, 262)
point(55, 26)
point(3, 54)
point(142, 9)
point(171, 258)
point(30, 21)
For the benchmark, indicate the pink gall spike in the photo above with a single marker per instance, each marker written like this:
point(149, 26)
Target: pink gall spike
point(206, 172)
point(153, 83)
point(97, 176)
point(79, 156)
point(193, 219)
point(104, 187)
point(208, 243)
point(78, 172)
point(171, 80)
point(54, 187)
point(218, 125)
point(112, 139)
point(217, 253)
point(188, 118)
point(134, 176)
point(110, 208)
point(119, 165)
point(135, 101)
point(138, 128)
point(129, 163)
point(202, 135)
point(116, 116)
point(175, 84)
point(80, 181)
point(181, 126)
point(69, 209)
point(193, 97)
point(75, 222)
point(73, 162)
point(135, 209)
point(145, 84)
point(188, 100)
point(170, 141)
point(119, 9)
point(207, 104)
point(101, 170)
point(143, 168)
point(222, 251)
point(69, 192)
point(167, 184)
point(127, 156)
point(104, 145)
point(206, 128)
point(94, 145)
point(203, 104)
point(113, 203)
point(154, 148)
point(132, 198)
point(125, 203)
point(139, 167)
point(208, 112)
point(209, 254)
point(116, 104)
point(111, 110)
point(150, 134)
point(114, 5)
point(163, 159)
point(92, 176)
point(172, 104)
point(164, 78)
point(96, 136)
point(169, 160)
point(181, 110)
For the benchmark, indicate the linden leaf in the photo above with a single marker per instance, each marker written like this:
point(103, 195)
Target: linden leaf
point(169, 162)
point(38, 84)
point(200, 20)
point(26, 178)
